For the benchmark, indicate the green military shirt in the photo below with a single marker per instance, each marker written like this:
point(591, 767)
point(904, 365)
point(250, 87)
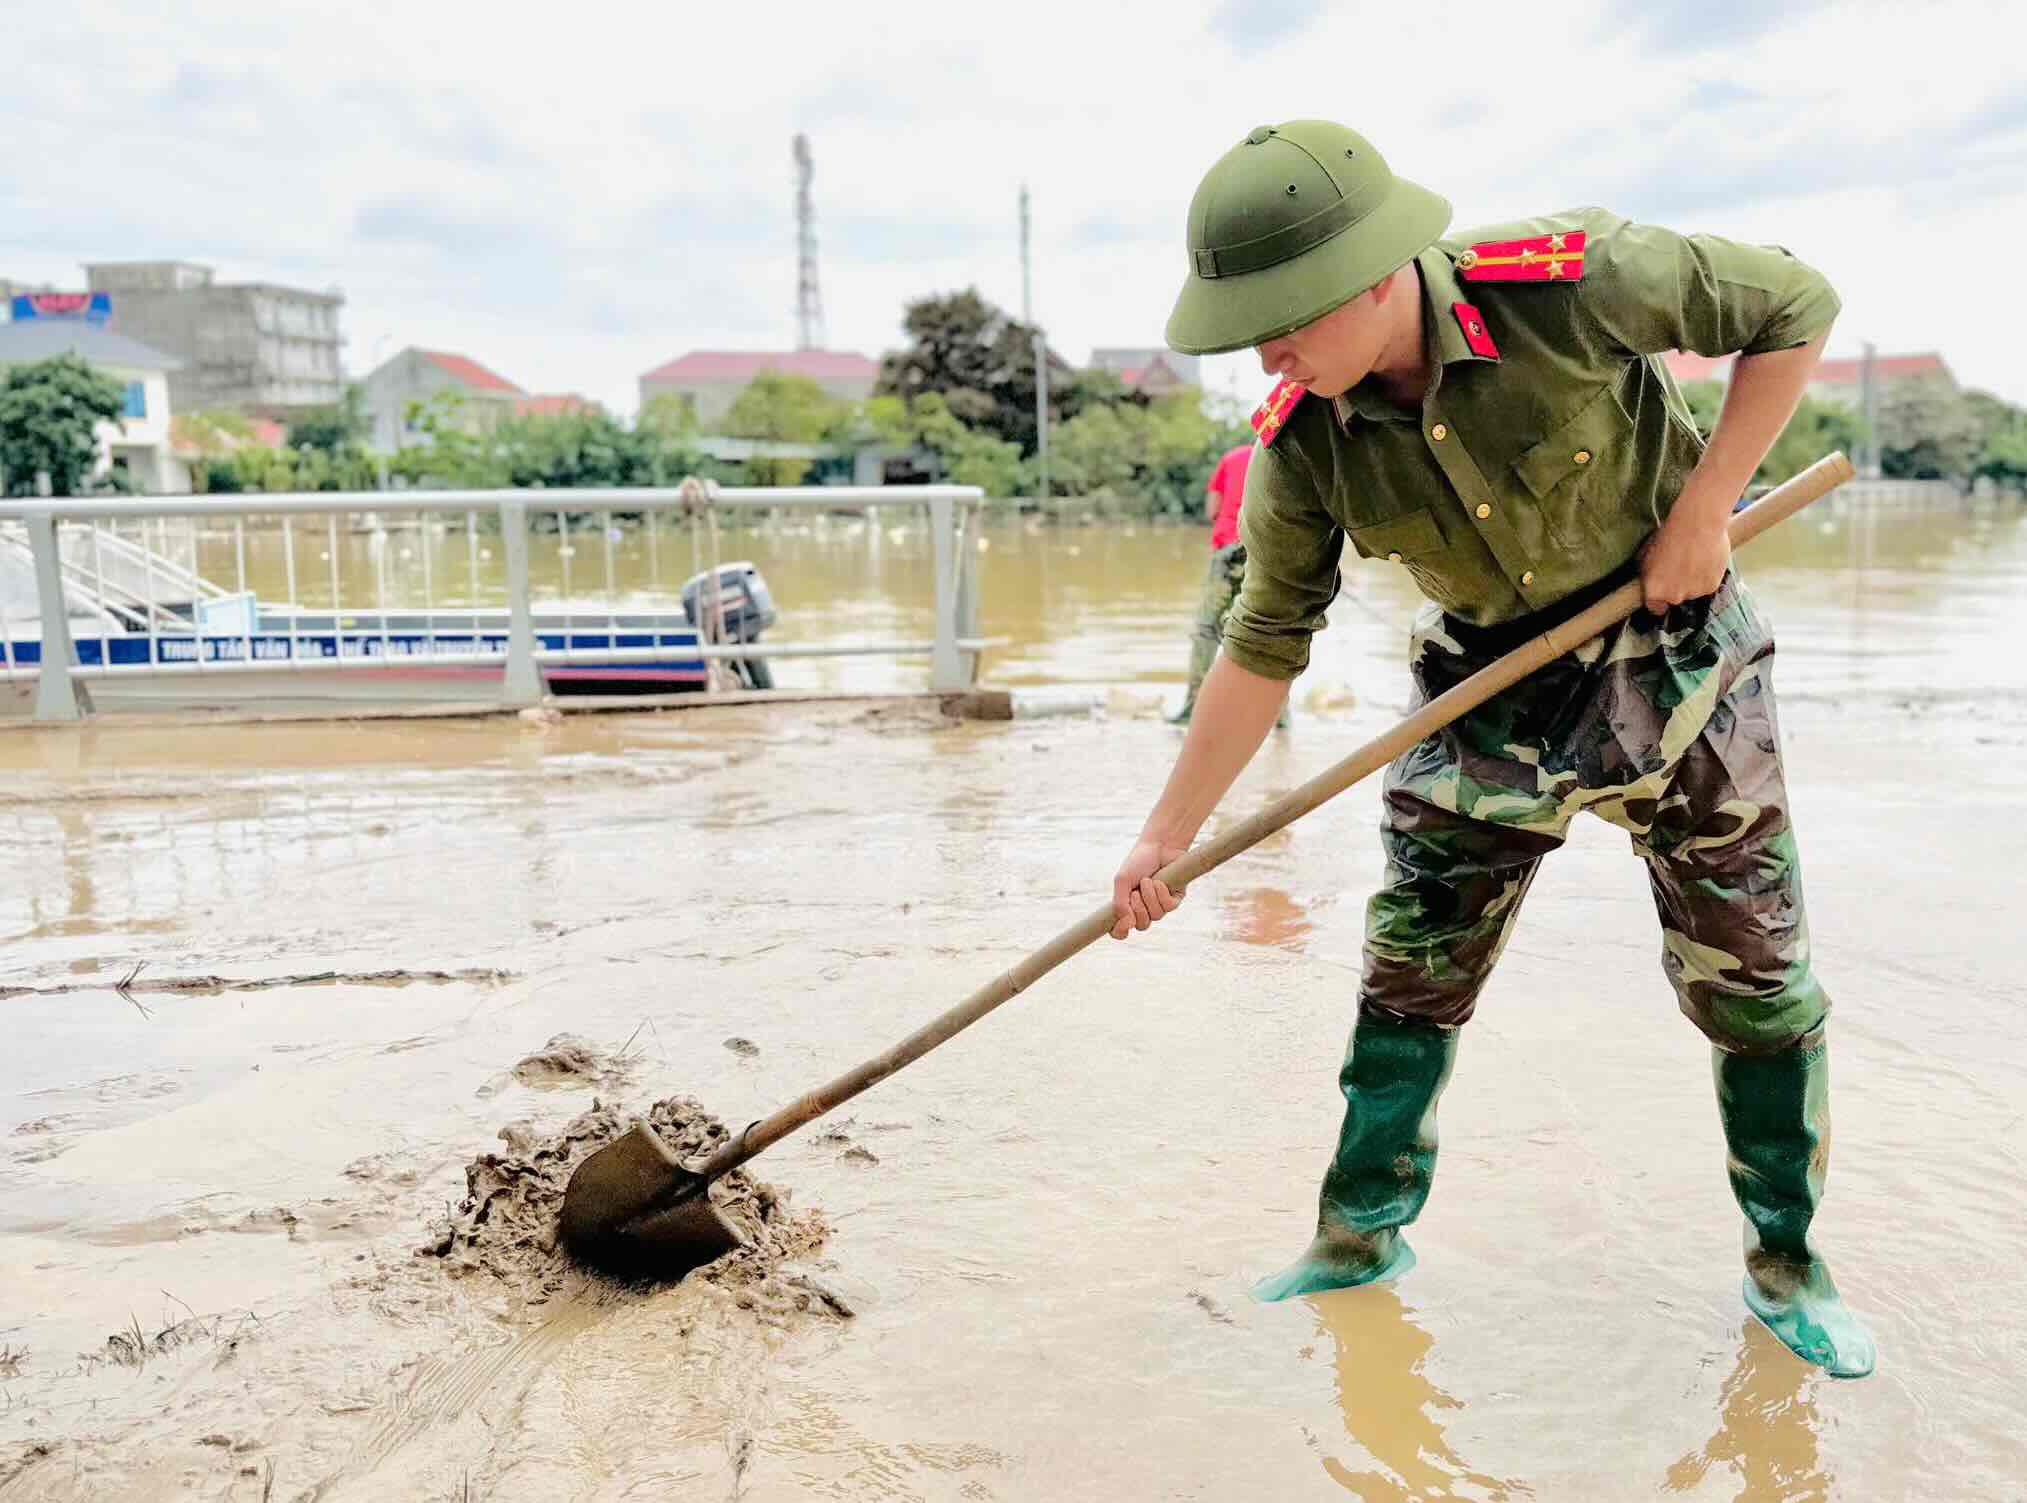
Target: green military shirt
point(1528, 474)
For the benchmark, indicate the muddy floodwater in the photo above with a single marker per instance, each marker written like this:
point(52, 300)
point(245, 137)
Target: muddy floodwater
point(356, 952)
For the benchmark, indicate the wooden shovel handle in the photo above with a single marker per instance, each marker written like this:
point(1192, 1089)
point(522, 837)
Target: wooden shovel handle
point(1776, 506)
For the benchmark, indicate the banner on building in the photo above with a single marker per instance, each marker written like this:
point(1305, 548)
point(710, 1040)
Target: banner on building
point(90, 307)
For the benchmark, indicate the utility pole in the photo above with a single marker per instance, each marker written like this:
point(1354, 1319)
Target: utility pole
point(1042, 412)
point(1868, 405)
point(809, 330)
point(1027, 291)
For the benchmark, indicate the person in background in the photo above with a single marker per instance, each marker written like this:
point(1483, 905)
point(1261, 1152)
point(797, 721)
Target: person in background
point(1223, 497)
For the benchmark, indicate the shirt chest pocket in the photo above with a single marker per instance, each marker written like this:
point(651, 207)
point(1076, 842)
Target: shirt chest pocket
point(1585, 458)
point(1398, 540)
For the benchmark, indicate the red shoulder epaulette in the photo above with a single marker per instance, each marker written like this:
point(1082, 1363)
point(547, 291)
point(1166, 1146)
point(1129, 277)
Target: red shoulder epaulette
point(1539, 258)
point(1272, 413)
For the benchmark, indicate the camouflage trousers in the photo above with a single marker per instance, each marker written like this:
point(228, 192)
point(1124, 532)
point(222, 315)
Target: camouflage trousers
point(1665, 728)
point(1222, 580)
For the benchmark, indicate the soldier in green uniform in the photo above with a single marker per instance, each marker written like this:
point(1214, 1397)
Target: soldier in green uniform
point(1490, 413)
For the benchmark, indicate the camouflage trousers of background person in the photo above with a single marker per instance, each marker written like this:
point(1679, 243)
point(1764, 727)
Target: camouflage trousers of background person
point(1222, 582)
point(1665, 728)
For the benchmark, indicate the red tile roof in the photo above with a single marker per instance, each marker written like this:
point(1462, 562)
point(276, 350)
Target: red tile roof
point(469, 372)
point(1887, 367)
point(724, 367)
point(556, 404)
point(1843, 371)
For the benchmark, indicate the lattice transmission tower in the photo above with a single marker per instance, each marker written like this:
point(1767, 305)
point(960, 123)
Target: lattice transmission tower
point(809, 332)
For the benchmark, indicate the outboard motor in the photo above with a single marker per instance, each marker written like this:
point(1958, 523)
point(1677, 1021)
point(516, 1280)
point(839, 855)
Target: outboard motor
point(744, 610)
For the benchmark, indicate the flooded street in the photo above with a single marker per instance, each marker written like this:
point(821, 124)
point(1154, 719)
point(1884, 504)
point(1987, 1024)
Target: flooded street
point(1047, 1228)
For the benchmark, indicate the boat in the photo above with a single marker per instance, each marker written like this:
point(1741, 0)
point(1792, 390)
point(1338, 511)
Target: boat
point(150, 633)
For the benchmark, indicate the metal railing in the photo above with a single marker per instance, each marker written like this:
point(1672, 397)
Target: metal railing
point(194, 625)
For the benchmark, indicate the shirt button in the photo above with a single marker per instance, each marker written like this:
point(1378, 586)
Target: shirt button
point(1393, 558)
point(1439, 433)
point(1483, 511)
point(1527, 578)
point(1582, 456)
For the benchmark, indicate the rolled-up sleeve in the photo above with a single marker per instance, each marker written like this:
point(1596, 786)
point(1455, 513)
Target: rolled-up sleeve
point(1292, 550)
point(1647, 290)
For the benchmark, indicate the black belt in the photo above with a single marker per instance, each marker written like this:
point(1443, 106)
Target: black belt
point(1503, 636)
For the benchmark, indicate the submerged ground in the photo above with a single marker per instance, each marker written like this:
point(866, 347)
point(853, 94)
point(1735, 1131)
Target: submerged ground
point(1043, 1231)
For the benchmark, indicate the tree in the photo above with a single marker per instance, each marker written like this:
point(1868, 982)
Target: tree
point(2002, 440)
point(982, 363)
point(50, 413)
point(333, 429)
point(777, 407)
point(1926, 432)
point(454, 457)
point(969, 456)
point(668, 414)
point(1817, 428)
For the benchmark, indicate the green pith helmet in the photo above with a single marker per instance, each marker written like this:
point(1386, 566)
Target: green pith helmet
point(1290, 223)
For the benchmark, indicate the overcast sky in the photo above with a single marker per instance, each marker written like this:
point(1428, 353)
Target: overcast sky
point(574, 194)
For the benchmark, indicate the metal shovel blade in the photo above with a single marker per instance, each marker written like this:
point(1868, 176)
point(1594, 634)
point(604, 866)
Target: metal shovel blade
point(632, 1208)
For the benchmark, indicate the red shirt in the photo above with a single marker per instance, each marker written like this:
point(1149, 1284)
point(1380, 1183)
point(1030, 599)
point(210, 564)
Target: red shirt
point(1228, 484)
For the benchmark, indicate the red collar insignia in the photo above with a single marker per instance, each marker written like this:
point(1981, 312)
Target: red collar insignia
point(1539, 258)
point(1269, 416)
point(1472, 322)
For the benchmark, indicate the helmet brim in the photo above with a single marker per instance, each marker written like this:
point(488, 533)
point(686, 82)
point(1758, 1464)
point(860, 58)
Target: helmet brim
point(1215, 315)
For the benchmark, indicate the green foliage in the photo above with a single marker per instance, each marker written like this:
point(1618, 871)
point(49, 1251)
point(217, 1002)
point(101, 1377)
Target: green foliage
point(970, 457)
point(1926, 432)
point(1706, 400)
point(1816, 429)
point(333, 429)
point(589, 448)
point(981, 362)
point(2002, 440)
point(782, 408)
point(1155, 458)
point(669, 414)
point(49, 416)
point(457, 455)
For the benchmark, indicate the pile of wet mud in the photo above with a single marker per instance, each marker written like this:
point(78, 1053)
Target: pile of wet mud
point(505, 1228)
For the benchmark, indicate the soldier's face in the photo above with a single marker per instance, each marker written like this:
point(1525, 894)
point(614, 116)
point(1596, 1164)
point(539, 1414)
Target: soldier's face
point(1338, 350)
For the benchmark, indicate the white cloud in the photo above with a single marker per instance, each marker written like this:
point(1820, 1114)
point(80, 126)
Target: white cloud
point(573, 197)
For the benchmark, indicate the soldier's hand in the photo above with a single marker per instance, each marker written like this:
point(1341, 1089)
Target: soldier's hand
point(1685, 560)
point(1138, 899)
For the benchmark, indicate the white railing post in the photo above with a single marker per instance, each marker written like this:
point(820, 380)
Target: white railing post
point(945, 669)
point(522, 685)
point(969, 534)
point(58, 696)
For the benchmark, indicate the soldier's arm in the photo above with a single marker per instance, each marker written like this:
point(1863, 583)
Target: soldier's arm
point(1649, 290)
point(1292, 551)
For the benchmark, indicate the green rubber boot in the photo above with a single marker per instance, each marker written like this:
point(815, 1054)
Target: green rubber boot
point(1386, 1154)
point(1776, 1113)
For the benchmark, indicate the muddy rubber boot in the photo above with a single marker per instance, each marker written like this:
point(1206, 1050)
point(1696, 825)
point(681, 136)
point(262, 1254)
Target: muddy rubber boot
point(1386, 1153)
point(1776, 1114)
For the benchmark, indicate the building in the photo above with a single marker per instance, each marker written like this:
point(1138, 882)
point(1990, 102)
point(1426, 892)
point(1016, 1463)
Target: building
point(710, 380)
point(139, 443)
point(253, 346)
point(414, 376)
point(557, 404)
point(1836, 380)
point(1151, 372)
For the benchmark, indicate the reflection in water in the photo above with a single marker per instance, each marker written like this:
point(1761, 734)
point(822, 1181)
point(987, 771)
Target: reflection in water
point(1766, 1428)
point(1265, 916)
point(1390, 1406)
